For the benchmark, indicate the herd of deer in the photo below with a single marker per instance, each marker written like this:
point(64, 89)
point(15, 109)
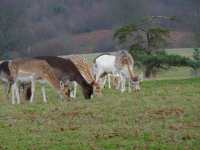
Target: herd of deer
point(63, 74)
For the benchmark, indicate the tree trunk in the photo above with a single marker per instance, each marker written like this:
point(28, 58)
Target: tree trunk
point(147, 73)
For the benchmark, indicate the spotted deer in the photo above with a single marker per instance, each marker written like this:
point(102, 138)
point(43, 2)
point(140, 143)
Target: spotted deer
point(86, 71)
point(120, 63)
point(30, 70)
point(72, 69)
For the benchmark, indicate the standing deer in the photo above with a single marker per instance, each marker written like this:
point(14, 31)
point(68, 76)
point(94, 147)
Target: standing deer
point(6, 78)
point(30, 70)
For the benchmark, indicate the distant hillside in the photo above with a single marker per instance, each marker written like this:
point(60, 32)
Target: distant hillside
point(71, 26)
point(96, 41)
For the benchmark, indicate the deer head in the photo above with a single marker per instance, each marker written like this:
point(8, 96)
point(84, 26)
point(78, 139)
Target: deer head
point(96, 88)
point(136, 80)
point(65, 91)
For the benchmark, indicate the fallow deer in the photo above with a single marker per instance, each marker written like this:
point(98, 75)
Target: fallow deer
point(31, 69)
point(121, 63)
point(73, 69)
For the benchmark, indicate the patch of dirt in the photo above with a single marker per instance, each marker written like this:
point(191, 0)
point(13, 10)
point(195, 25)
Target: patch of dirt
point(165, 112)
point(55, 109)
point(31, 115)
point(180, 126)
point(111, 133)
point(89, 114)
point(72, 114)
point(107, 135)
point(188, 137)
point(73, 127)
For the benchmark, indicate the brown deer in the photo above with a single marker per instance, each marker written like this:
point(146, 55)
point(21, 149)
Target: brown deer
point(30, 69)
point(74, 68)
point(86, 71)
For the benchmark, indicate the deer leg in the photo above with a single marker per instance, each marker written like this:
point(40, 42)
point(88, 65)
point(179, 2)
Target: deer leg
point(32, 90)
point(118, 81)
point(123, 82)
point(129, 86)
point(13, 93)
point(75, 89)
point(62, 88)
point(109, 86)
point(6, 87)
point(44, 93)
point(17, 93)
point(73, 93)
point(103, 80)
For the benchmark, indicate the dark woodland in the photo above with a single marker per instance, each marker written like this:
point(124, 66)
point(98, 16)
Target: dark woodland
point(60, 27)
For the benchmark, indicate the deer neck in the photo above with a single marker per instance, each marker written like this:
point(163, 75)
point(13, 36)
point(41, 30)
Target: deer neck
point(131, 73)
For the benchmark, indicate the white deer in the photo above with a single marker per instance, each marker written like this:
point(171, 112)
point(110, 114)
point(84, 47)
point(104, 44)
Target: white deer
point(120, 64)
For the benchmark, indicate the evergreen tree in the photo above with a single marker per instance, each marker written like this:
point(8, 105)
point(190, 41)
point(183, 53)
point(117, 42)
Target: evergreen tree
point(147, 47)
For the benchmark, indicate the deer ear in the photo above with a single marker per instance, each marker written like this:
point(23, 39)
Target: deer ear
point(62, 85)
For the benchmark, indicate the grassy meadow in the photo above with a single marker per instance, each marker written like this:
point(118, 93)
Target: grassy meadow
point(164, 115)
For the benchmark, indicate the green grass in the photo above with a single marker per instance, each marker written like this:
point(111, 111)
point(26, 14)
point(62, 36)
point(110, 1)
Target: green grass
point(177, 72)
point(163, 115)
point(188, 52)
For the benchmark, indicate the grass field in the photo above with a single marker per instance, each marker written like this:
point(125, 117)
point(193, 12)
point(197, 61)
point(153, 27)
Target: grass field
point(165, 114)
point(188, 52)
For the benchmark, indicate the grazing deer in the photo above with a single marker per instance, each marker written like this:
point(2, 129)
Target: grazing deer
point(73, 69)
point(86, 71)
point(121, 63)
point(30, 70)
